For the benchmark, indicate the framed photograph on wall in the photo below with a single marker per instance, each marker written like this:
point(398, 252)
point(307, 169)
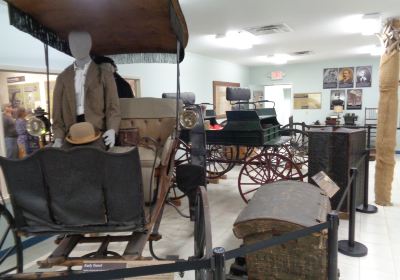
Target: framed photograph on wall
point(354, 99)
point(219, 97)
point(363, 76)
point(338, 96)
point(307, 100)
point(330, 78)
point(346, 77)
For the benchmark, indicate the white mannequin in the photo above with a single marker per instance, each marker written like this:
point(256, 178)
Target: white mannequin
point(80, 43)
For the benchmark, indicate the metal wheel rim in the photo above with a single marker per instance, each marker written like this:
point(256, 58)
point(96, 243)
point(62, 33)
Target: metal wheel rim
point(217, 163)
point(12, 254)
point(182, 156)
point(263, 169)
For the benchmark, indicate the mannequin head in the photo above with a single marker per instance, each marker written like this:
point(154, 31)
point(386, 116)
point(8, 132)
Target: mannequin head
point(80, 43)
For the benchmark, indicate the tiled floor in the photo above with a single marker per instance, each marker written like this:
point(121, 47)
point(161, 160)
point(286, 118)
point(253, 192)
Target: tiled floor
point(379, 232)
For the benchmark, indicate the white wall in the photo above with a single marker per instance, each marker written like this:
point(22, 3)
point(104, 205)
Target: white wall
point(308, 78)
point(197, 74)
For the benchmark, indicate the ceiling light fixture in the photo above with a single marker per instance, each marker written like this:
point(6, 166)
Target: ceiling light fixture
point(377, 50)
point(371, 24)
point(279, 58)
point(241, 40)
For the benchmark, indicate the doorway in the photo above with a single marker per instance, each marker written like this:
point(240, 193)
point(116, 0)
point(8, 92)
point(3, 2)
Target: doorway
point(282, 96)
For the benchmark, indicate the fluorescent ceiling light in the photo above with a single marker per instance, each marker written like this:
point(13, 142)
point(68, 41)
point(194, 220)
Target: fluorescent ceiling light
point(368, 24)
point(241, 40)
point(371, 24)
point(279, 58)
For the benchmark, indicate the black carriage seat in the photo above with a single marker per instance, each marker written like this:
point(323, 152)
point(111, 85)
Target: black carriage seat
point(240, 96)
point(155, 118)
point(80, 190)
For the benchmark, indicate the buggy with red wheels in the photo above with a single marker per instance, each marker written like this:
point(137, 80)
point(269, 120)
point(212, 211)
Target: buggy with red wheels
point(253, 138)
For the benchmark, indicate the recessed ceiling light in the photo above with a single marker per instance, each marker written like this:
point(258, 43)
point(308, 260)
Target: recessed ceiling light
point(371, 24)
point(377, 50)
point(279, 58)
point(241, 40)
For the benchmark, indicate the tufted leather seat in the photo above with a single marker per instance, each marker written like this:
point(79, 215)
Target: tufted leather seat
point(155, 118)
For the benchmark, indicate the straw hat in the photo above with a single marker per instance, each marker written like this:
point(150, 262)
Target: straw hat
point(82, 133)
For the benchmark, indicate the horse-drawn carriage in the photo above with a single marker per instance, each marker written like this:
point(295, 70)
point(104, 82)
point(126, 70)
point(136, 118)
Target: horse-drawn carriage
point(252, 137)
point(85, 195)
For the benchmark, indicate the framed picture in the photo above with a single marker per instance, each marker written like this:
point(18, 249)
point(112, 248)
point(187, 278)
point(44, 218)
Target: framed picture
point(307, 100)
point(363, 76)
point(354, 99)
point(330, 78)
point(338, 97)
point(346, 77)
point(219, 97)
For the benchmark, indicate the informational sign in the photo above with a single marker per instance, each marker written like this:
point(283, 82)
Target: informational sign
point(326, 183)
point(18, 79)
point(25, 95)
point(307, 101)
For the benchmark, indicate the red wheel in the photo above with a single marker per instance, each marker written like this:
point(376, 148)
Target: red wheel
point(182, 156)
point(263, 169)
point(220, 159)
point(297, 148)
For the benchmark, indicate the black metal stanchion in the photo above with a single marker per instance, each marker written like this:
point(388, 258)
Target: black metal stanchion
point(351, 247)
point(365, 207)
point(219, 262)
point(333, 220)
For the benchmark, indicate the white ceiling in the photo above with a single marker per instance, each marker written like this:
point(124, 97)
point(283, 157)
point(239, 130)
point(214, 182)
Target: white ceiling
point(324, 27)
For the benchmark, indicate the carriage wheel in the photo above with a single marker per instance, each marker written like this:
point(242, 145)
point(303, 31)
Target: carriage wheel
point(11, 258)
point(296, 125)
point(202, 232)
point(220, 159)
point(263, 169)
point(182, 156)
point(297, 148)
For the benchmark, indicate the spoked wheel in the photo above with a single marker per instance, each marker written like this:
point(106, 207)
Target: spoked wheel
point(202, 232)
point(296, 125)
point(220, 160)
point(11, 260)
point(182, 156)
point(297, 148)
point(263, 169)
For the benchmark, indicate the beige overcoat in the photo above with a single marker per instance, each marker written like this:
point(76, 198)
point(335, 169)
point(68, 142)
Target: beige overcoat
point(101, 101)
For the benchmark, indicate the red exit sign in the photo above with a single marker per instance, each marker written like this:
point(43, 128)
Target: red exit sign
point(277, 75)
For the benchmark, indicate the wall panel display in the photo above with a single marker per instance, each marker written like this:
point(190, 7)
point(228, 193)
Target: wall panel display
point(363, 76)
point(25, 95)
point(338, 94)
point(330, 78)
point(354, 99)
point(307, 101)
point(346, 77)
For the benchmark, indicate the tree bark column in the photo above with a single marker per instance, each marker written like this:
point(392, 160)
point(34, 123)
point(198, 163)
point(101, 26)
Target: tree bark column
point(387, 113)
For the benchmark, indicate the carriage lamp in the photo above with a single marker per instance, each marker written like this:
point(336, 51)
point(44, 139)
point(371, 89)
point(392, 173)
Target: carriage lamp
point(188, 118)
point(35, 126)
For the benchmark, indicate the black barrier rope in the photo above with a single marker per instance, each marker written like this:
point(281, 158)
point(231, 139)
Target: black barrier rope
point(135, 271)
point(274, 241)
point(182, 265)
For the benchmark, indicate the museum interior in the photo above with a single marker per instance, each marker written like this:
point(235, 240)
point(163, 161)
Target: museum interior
point(200, 139)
